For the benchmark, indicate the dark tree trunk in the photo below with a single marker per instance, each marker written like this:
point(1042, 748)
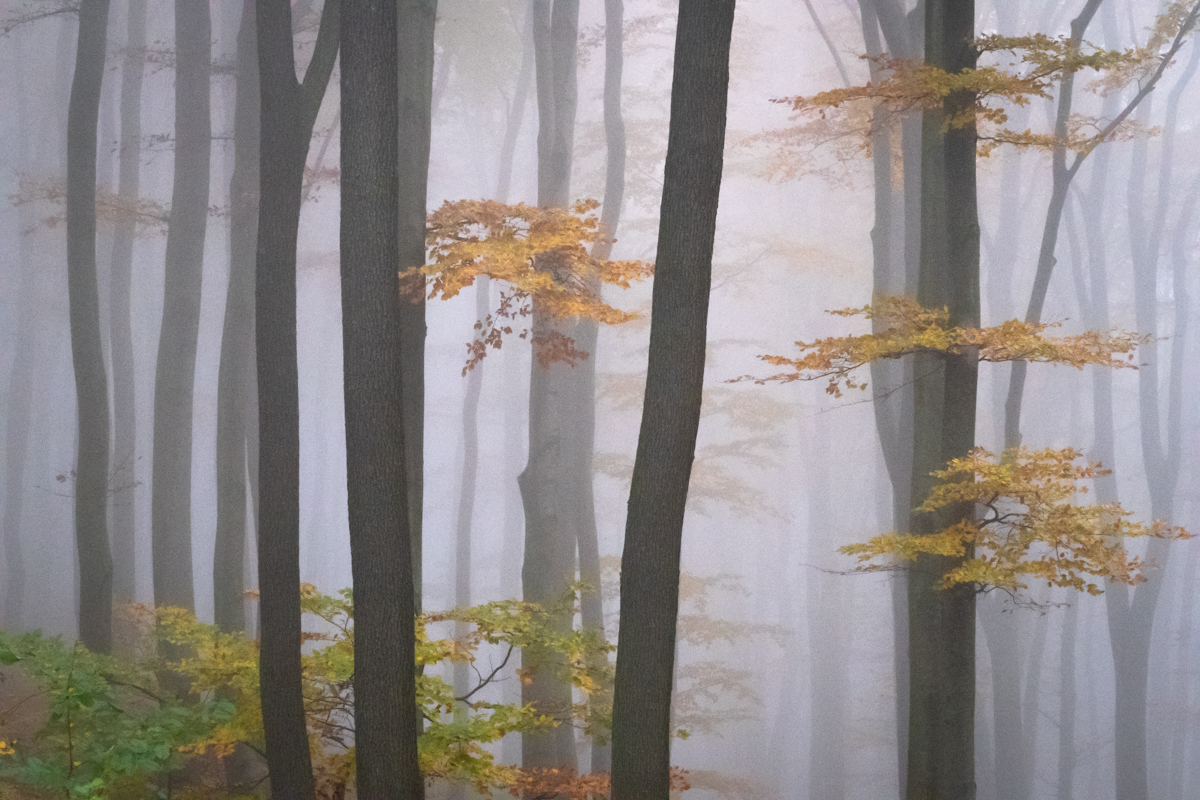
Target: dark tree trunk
point(91, 380)
point(550, 483)
point(171, 492)
point(288, 111)
point(641, 744)
point(587, 334)
point(124, 459)
point(237, 369)
point(942, 621)
point(416, 22)
point(381, 553)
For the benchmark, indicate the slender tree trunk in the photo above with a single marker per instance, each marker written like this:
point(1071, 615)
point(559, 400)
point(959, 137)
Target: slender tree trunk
point(237, 339)
point(288, 111)
point(381, 553)
point(942, 621)
point(587, 336)
point(171, 497)
point(416, 22)
point(91, 380)
point(671, 412)
point(124, 474)
point(550, 483)
point(895, 273)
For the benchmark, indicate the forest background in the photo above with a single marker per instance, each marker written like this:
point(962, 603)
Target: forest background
point(784, 475)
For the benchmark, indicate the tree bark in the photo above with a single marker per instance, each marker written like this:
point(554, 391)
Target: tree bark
point(171, 492)
point(416, 22)
point(237, 368)
point(381, 553)
point(91, 379)
point(550, 484)
point(124, 459)
point(288, 111)
point(587, 336)
point(641, 744)
point(942, 621)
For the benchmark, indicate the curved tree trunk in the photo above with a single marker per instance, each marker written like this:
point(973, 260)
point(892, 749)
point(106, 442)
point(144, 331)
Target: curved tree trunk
point(381, 553)
point(91, 379)
point(641, 744)
point(124, 457)
point(237, 340)
point(171, 492)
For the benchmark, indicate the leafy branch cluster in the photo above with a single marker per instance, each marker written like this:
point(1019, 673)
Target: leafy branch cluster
point(911, 328)
point(1028, 525)
point(1040, 63)
point(543, 257)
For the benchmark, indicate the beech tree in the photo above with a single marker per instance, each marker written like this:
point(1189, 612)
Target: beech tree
point(91, 378)
point(289, 109)
point(237, 414)
point(124, 456)
point(641, 743)
point(386, 724)
point(171, 492)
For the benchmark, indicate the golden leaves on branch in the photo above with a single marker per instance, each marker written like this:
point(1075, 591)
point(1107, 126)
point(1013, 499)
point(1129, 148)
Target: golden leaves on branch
point(541, 254)
point(912, 329)
point(1028, 525)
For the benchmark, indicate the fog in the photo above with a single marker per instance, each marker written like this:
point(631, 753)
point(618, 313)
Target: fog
point(786, 668)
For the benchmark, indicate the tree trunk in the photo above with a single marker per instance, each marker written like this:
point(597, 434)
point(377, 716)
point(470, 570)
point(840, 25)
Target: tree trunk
point(124, 459)
point(91, 380)
point(671, 411)
point(587, 336)
point(942, 621)
point(381, 553)
point(416, 21)
point(550, 484)
point(288, 112)
point(171, 492)
point(237, 339)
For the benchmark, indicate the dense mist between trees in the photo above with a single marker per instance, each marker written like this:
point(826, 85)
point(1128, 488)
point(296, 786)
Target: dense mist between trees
point(136, 409)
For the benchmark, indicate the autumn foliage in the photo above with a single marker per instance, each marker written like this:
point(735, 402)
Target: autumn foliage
point(1029, 526)
point(539, 254)
point(908, 328)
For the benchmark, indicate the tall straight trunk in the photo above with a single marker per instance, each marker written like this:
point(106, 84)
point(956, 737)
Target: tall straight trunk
point(466, 498)
point(416, 22)
point(550, 484)
point(91, 379)
point(1067, 699)
point(941, 757)
point(587, 336)
point(641, 743)
point(894, 272)
point(19, 416)
point(381, 553)
point(237, 368)
point(124, 458)
point(288, 111)
point(171, 492)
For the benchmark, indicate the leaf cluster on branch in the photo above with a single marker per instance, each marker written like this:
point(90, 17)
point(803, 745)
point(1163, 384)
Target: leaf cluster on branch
point(1039, 64)
point(1028, 525)
point(909, 328)
point(542, 256)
